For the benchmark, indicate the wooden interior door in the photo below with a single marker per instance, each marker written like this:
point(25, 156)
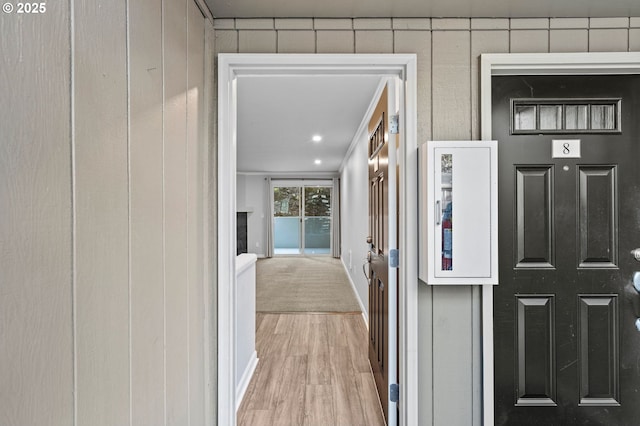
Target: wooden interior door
point(379, 249)
point(566, 339)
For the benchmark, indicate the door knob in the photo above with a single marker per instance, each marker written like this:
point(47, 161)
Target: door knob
point(636, 281)
point(364, 271)
point(369, 240)
point(364, 267)
point(636, 254)
point(638, 323)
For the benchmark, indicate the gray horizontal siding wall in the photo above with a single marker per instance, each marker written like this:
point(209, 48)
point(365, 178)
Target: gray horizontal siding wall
point(448, 108)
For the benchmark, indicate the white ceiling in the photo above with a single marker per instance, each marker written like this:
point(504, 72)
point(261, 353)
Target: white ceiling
point(422, 8)
point(278, 116)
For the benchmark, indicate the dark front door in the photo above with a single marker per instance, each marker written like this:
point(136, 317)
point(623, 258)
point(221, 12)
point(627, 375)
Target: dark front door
point(567, 347)
point(379, 250)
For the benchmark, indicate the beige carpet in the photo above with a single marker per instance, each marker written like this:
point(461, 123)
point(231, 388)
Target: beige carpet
point(303, 284)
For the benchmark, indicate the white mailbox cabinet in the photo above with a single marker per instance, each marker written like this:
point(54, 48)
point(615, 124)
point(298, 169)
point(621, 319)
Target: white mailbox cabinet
point(459, 212)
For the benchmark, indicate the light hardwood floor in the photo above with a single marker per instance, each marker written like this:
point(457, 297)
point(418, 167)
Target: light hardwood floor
point(313, 371)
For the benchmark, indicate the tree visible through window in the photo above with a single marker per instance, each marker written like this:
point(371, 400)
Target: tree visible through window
point(317, 201)
point(302, 225)
point(286, 201)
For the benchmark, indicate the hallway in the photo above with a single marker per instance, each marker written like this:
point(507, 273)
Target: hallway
point(313, 371)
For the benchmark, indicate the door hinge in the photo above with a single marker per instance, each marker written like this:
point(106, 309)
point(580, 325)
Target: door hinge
point(394, 392)
point(394, 124)
point(394, 258)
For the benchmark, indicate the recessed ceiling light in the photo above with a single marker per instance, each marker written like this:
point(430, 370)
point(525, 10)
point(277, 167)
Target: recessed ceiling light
point(316, 138)
point(318, 161)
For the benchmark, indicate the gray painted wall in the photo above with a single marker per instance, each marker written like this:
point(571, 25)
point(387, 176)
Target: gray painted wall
point(448, 51)
point(102, 172)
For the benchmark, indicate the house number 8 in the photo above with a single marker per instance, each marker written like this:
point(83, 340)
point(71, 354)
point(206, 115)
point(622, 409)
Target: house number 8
point(565, 148)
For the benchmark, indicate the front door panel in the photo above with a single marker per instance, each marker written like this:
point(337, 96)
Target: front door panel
point(566, 346)
point(379, 249)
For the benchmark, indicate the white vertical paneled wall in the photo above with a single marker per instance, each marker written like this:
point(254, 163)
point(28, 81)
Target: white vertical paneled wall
point(146, 206)
point(36, 314)
point(448, 55)
point(101, 210)
point(103, 187)
point(175, 210)
point(196, 153)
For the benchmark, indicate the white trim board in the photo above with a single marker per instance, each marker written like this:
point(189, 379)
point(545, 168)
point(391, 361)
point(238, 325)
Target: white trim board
point(246, 378)
point(531, 64)
point(230, 66)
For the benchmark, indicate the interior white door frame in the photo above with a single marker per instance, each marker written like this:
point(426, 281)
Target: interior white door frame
point(230, 66)
point(531, 64)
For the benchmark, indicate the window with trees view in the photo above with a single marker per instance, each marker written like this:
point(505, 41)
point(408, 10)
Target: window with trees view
point(302, 219)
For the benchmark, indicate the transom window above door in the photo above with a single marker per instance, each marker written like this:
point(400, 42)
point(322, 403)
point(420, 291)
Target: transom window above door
point(554, 116)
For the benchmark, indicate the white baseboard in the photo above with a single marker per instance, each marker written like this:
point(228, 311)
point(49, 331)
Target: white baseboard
point(246, 378)
point(365, 311)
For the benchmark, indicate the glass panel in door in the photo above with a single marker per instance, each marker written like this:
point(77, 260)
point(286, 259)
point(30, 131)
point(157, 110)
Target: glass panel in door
point(286, 220)
point(317, 220)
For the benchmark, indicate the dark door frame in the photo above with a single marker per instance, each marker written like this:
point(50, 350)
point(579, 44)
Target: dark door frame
point(531, 64)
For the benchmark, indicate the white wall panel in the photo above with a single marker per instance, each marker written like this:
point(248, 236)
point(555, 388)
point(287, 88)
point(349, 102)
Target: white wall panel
point(450, 24)
point(568, 40)
point(101, 213)
point(175, 212)
point(226, 41)
point(195, 239)
point(411, 24)
point(256, 193)
point(255, 24)
point(490, 24)
point(613, 22)
point(354, 208)
point(82, 185)
point(294, 24)
point(333, 24)
point(339, 41)
point(568, 23)
point(370, 41)
point(209, 231)
point(495, 41)
point(634, 40)
point(372, 24)
point(419, 42)
point(451, 110)
point(296, 41)
point(36, 329)
point(608, 40)
point(146, 218)
point(451, 80)
point(452, 361)
point(529, 41)
point(257, 41)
